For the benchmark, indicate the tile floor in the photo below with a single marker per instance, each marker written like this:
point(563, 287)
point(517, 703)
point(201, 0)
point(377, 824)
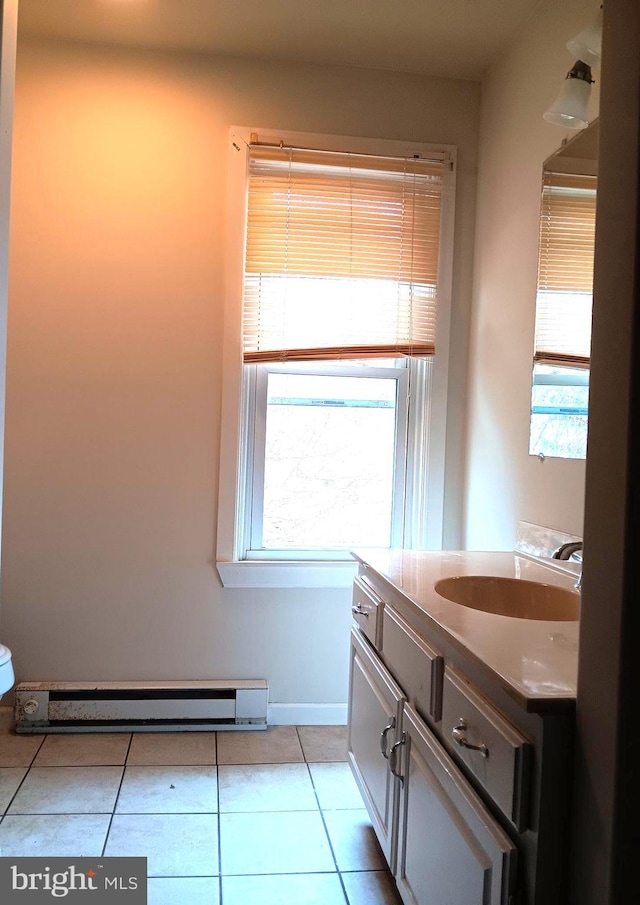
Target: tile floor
point(231, 818)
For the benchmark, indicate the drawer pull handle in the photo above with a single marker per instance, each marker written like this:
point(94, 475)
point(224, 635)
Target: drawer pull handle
point(393, 756)
point(460, 739)
point(359, 611)
point(383, 737)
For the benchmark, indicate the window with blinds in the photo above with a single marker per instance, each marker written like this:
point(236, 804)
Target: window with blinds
point(341, 255)
point(565, 270)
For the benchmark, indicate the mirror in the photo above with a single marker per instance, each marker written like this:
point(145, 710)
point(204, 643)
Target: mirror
point(560, 385)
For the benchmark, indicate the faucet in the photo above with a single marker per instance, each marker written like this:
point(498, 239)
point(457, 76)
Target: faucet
point(565, 552)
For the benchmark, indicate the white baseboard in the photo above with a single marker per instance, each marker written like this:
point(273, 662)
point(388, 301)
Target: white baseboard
point(306, 714)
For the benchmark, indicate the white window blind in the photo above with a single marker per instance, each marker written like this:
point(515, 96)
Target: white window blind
point(565, 270)
point(341, 255)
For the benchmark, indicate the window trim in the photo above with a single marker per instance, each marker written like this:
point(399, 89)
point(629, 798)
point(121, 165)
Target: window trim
point(233, 568)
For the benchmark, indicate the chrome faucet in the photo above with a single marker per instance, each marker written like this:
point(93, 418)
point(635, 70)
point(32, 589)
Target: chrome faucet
point(564, 552)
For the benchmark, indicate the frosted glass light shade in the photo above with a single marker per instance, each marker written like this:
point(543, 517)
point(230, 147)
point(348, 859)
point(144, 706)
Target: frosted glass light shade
point(587, 44)
point(569, 109)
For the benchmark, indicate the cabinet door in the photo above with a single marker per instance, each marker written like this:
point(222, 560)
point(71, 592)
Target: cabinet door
point(451, 851)
point(375, 714)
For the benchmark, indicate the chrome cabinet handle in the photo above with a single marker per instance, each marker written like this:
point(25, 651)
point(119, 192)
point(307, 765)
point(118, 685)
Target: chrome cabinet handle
point(383, 737)
point(357, 610)
point(460, 739)
point(393, 756)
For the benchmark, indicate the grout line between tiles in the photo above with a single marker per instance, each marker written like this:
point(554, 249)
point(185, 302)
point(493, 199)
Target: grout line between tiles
point(115, 803)
point(324, 824)
point(306, 873)
point(6, 810)
point(27, 771)
point(219, 824)
point(294, 873)
point(113, 814)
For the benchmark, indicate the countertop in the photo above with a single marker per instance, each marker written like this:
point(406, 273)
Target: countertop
point(537, 660)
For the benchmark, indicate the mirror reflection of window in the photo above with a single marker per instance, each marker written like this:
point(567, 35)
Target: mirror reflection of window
point(560, 390)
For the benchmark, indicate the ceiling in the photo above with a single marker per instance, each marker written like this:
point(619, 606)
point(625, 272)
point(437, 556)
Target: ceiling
point(456, 38)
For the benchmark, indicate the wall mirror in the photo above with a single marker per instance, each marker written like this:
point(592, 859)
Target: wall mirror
point(560, 385)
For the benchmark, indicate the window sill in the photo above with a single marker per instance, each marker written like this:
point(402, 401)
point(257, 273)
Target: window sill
point(286, 574)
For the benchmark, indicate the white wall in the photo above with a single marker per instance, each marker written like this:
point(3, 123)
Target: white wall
point(114, 361)
point(504, 483)
point(8, 33)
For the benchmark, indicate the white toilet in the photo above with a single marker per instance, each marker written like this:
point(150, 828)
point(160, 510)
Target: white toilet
point(7, 677)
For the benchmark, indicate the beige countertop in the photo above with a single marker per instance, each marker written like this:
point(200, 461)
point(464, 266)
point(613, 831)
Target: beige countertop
point(536, 659)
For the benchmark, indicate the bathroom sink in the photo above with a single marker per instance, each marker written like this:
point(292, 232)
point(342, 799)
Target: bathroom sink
point(511, 597)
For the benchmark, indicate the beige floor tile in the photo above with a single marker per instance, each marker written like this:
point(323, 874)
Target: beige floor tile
point(323, 743)
point(274, 843)
point(168, 790)
point(55, 836)
point(274, 745)
point(375, 887)
point(68, 790)
point(10, 779)
point(6, 719)
point(175, 845)
point(290, 889)
point(266, 787)
point(354, 843)
point(187, 891)
point(83, 750)
point(335, 786)
point(18, 750)
point(172, 748)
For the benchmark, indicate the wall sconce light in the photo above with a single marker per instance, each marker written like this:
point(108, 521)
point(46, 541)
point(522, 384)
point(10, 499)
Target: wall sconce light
point(570, 107)
point(587, 44)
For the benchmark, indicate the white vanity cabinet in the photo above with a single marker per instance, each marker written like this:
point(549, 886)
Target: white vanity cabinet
point(467, 792)
point(374, 729)
point(450, 849)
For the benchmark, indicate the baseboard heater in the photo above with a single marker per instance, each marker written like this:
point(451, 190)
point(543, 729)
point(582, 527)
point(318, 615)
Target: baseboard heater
point(45, 707)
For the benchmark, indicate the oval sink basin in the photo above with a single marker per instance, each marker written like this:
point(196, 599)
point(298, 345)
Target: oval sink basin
point(511, 597)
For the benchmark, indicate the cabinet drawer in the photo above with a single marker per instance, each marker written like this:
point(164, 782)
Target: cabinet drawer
point(502, 757)
point(414, 664)
point(367, 608)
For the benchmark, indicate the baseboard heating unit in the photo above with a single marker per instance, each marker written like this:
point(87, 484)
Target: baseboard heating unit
point(45, 707)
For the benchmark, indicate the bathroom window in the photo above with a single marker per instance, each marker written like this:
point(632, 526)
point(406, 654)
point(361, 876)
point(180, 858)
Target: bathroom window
point(559, 410)
point(560, 390)
point(329, 446)
point(344, 295)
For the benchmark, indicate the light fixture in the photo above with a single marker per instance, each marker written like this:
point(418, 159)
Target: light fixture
point(570, 107)
point(587, 44)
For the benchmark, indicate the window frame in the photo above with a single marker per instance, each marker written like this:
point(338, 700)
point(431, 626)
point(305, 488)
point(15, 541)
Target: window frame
point(256, 383)
point(424, 483)
point(574, 369)
point(561, 376)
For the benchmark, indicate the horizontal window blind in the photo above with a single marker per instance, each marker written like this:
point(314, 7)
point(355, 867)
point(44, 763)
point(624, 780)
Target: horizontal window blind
point(565, 270)
point(341, 255)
